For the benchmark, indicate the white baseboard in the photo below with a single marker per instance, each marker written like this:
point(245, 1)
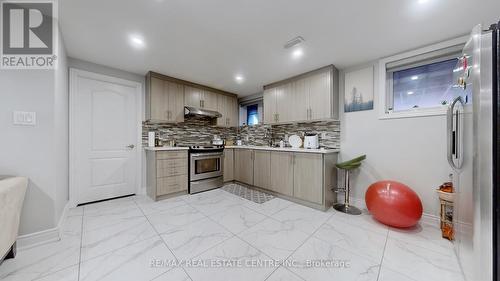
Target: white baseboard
point(426, 218)
point(45, 236)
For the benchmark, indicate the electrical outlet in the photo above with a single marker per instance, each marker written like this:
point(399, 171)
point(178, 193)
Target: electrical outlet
point(24, 118)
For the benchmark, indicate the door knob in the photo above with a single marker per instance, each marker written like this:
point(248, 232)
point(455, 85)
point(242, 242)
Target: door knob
point(131, 146)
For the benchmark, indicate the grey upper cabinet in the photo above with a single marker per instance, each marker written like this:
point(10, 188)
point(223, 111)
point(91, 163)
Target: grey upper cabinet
point(320, 96)
point(270, 106)
point(164, 100)
point(234, 112)
point(175, 94)
point(308, 97)
point(199, 98)
point(228, 107)
point(277, 104)
point(209, 100)
point(193, 97)
point(299, 100)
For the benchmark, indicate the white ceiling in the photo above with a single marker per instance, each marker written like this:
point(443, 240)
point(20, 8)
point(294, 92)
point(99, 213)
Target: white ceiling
point(209, 42)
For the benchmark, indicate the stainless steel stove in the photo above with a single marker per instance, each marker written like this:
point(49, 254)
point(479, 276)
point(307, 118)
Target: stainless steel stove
point(205, 167)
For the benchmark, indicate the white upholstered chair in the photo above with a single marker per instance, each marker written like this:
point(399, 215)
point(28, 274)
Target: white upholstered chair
point(12, 191)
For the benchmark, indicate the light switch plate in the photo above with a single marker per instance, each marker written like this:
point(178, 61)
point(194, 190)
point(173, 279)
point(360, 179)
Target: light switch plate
point(24, 118)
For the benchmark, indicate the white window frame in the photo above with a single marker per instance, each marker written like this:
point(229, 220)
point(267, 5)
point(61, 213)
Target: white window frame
point(383, 98)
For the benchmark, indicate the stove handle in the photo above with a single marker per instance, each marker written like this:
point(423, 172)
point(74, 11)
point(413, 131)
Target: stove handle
point(204, 155)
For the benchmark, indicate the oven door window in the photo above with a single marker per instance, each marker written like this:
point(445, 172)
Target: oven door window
point(210, 165)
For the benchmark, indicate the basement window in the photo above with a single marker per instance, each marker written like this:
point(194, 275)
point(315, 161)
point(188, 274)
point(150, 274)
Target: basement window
point(422, 84)
point(253, 114)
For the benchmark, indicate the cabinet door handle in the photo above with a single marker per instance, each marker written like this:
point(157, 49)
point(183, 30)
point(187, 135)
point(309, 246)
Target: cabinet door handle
point(200, 104)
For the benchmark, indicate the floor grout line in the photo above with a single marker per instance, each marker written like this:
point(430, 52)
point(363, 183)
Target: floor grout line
point(159, 236)
point(206, 216)
point(383, 253)
point(81, 241)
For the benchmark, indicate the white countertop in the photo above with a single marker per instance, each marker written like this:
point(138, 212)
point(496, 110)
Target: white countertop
point(288, 149)
point(166, 148)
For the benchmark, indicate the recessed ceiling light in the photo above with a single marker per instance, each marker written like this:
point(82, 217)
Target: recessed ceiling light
point(410, 93)
point(415, 77)
point(239, 78)
point(137, 41)
point(422, 1)
point(297, 53)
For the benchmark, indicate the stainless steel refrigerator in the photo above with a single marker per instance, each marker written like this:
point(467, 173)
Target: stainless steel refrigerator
point(473, 146)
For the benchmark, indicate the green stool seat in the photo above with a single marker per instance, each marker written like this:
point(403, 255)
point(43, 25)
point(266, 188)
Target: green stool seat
point(348, 166)
point(351, 164)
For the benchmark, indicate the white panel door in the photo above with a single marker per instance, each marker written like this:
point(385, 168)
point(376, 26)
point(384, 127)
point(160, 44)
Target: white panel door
point(104, 136)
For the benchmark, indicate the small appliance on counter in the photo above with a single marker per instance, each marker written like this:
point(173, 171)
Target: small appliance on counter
point(216, 140)
point(311, 140)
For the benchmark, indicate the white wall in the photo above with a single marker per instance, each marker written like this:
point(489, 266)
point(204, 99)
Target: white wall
point(409, 150)
point(61, 131)
point(28, 151)
point(38, 152)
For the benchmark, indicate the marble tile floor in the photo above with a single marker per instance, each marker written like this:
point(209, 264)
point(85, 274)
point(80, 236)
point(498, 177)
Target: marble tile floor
point(216, 235)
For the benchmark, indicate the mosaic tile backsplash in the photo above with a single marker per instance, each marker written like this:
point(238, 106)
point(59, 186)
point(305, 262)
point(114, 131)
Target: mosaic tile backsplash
point(194, 130)
point(200, 130)
point(328, 131)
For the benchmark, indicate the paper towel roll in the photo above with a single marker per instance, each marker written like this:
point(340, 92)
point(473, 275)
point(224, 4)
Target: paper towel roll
point(151, 139)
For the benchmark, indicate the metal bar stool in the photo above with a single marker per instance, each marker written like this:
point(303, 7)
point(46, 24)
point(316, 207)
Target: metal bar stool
point(348, 166)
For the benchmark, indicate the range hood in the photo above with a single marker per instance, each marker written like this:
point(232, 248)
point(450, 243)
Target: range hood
point(188, 110)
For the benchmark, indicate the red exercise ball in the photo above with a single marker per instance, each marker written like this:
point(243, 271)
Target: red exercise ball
point(393, 203)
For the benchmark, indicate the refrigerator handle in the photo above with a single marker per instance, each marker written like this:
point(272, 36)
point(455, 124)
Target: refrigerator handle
point(453, 135)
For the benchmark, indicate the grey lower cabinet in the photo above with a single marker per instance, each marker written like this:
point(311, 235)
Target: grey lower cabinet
point(262, 169)
point(243, 165)
point(306, 178)
point(167, 173)
point(281, 170)
point(228, 165)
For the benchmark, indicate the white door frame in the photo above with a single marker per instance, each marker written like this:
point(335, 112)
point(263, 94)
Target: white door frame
point(74, 74)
